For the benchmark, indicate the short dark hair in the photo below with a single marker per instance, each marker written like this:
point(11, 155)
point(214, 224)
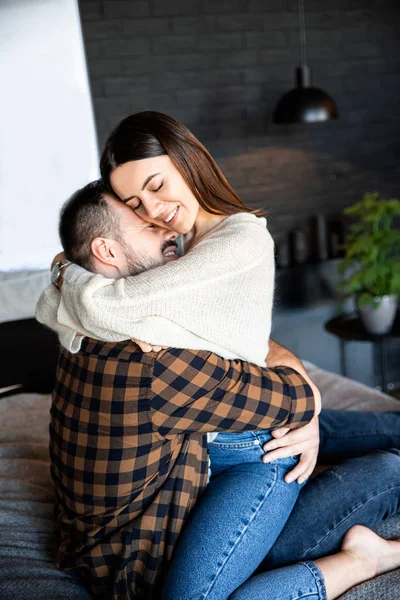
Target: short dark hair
point(85, 216)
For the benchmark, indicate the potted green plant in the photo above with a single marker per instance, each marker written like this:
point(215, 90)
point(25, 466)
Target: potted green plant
point(371, 266)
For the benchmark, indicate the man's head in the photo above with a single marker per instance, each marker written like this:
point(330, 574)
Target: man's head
point(102, 235)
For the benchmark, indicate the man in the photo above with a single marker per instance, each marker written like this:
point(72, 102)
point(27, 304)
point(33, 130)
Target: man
point(128, 450)
point(102, 235)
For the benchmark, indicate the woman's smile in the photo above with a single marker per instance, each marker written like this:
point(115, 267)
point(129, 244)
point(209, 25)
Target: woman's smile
point(172, 216)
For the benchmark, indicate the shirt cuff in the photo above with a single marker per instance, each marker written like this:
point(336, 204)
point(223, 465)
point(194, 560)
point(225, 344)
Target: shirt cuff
point(300, 393)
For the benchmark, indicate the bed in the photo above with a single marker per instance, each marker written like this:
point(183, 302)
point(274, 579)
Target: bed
point(28, 354)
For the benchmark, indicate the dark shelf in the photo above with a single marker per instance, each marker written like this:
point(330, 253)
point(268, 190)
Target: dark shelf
point(350, 328)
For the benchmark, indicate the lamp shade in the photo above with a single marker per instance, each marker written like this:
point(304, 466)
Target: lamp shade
point(305, 104)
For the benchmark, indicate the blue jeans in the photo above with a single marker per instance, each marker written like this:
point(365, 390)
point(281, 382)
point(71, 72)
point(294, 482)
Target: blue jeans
point(249, 527)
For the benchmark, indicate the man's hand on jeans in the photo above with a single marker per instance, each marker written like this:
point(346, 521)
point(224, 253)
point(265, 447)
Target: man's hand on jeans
point(291, 442)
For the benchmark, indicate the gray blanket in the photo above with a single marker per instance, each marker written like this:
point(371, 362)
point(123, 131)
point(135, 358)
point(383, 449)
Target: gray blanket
point(27, 528)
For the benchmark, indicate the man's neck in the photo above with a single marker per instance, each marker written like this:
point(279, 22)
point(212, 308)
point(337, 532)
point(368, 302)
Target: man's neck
point(106, 270)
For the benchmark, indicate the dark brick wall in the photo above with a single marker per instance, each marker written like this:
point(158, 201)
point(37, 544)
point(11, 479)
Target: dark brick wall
point(221, 65)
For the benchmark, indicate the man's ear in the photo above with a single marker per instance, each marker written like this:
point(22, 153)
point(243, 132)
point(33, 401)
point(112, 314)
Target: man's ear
point(104, 250)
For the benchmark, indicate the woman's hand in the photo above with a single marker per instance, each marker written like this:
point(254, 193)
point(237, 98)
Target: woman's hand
point(287, 442)
point(145, 347)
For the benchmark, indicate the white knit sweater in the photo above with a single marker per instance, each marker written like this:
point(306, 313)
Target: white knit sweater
point(218, 297)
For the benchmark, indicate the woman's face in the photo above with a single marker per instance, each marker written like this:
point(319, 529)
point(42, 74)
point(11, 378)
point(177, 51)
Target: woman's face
point(155, 189)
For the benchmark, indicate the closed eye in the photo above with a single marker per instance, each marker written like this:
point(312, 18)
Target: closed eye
point(139, 202)
point(133, 206)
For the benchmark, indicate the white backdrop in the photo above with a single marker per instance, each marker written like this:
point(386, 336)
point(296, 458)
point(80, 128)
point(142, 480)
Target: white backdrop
point(48, 144)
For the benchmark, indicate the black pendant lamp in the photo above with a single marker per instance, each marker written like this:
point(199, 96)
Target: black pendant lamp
point(304, 104)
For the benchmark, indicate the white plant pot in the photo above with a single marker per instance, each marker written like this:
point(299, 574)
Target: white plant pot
point(379, 320)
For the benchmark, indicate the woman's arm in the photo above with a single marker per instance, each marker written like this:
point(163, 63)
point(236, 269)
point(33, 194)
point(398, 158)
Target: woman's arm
point(226, 279)
point(46, 313)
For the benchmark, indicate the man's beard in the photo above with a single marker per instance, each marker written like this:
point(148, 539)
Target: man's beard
point(138, 263)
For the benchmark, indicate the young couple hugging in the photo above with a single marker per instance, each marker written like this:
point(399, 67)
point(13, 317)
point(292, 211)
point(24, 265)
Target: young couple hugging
point(182, 437)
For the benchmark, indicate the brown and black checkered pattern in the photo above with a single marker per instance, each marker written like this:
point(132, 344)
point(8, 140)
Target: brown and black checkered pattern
point(129, 455)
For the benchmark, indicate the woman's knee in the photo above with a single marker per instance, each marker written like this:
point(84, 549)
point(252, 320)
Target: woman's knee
point(387, 461)
point(379, 465)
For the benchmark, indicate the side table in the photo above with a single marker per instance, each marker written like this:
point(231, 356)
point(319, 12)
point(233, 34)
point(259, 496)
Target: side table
point(349, 328)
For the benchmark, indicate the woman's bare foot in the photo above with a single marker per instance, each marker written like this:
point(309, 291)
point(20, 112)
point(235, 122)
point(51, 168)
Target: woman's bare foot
point(375, 554)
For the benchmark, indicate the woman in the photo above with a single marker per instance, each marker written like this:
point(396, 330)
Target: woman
point(213, 298)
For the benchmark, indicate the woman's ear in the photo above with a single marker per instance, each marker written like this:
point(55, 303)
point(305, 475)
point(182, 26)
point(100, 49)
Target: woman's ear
point(104, 250)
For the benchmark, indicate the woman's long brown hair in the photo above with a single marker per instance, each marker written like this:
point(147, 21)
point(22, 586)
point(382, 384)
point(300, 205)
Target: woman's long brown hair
point(147, 134)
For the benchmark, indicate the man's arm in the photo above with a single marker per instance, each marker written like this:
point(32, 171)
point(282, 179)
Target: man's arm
point(199, 391)
point(280, 356)
point(291, 443)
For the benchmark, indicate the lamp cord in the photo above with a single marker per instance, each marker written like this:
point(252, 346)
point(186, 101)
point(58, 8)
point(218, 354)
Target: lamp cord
point(302, 33)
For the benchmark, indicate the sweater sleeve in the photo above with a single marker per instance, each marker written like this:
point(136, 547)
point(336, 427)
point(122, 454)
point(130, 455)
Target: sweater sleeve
point(46, 313)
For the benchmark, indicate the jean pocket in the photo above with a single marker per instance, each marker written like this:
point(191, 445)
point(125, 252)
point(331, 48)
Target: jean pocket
point(238, 441)
point(234, 445)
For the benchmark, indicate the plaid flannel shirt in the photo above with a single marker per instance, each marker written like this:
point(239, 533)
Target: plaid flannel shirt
point(129, 454)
